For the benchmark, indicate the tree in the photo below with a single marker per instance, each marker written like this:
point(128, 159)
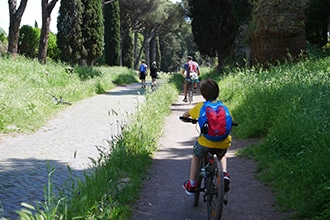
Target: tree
point(52, 49)
point(69, 27)
point(280, 38)
point(28, 41)
point(214, 28)
point(92, 30)
point(112, 33)
point(134, 14)
point(46, 8)
point(127, 49)
point(165, 17)
point(3, 35)
point(15, 17)
point(318, 21)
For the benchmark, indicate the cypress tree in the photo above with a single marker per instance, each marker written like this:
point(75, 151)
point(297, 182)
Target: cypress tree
point(69, 27)
point(112, 33)
point(214, 28)
point(127, 49)
point(92, 30)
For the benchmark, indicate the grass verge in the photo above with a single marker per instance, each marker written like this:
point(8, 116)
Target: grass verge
point(28, 90)
point(289, 106)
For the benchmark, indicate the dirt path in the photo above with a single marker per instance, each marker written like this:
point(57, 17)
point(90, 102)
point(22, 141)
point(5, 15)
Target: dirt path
point(164, 198)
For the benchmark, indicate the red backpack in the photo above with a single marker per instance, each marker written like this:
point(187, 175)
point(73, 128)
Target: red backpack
point(215, 121)
point(192, 67)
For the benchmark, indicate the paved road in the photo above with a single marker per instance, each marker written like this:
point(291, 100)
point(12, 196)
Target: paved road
point(69, 139)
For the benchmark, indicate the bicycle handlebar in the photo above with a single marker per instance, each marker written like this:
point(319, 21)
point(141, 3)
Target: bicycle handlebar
point(194, 121)
point(185, 119)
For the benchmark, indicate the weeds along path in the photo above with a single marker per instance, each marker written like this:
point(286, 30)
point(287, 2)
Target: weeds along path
point(163, 197)
point(69, 139)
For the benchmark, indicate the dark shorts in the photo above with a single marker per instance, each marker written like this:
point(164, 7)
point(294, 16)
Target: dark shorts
point(142, 76)
point(200, 151)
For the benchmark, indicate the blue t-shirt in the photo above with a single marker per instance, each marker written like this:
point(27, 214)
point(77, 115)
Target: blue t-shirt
point(186, 68)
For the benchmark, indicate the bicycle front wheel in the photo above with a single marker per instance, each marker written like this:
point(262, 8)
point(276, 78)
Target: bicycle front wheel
point(215, 198)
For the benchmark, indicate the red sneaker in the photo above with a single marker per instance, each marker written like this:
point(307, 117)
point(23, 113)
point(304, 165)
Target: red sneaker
point(190, 190)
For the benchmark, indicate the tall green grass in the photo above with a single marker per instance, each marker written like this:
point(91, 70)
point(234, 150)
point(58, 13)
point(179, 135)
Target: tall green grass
point(289, 106)
point(27, 87)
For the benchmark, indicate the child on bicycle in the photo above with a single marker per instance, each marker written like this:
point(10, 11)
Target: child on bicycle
point(191, 73)
point(210, 92)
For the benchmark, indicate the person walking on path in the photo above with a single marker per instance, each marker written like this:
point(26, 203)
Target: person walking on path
point(153, 74)
point(143, 73)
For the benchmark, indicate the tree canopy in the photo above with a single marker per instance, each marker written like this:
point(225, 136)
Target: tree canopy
point(214, 27)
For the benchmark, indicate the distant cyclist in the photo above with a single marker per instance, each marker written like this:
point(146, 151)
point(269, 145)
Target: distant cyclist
point(153, 74)
point(143, 73)
point(191, 73)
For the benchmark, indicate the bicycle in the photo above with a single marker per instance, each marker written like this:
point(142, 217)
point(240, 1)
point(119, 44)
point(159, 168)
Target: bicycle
point(190, 90)
point(210, 182)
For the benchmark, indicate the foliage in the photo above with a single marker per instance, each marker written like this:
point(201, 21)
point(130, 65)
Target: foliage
point(28, 41)
point(52, 49)
point(175, 47)
point(29, 86)
point(3, 35)
point(112, 33)
point(92, 31)
point(127, 49)
point(69, 27)
point(318, 20)
point(150, 19)
point(214, 32)
point(288, 106)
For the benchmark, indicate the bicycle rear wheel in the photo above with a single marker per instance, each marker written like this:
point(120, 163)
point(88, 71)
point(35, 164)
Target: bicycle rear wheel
point(199, 183)
point(215, 199)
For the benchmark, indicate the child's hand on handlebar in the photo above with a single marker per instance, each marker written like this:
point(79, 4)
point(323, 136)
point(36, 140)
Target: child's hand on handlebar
point(186, 119)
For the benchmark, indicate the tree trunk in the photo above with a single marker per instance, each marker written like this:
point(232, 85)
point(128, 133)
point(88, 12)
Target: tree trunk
point(15, 16)
point(136, 58)
point(47, 9)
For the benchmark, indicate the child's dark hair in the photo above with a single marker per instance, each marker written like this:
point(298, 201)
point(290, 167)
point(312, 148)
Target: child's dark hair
point(209, 89)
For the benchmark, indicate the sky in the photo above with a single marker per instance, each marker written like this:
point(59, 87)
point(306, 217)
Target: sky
point(31, 14)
